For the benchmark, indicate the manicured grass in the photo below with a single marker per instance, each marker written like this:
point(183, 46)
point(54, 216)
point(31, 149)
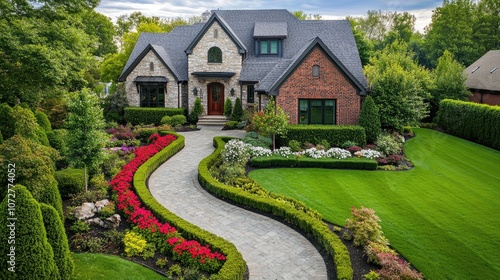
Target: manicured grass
point(443, 215)
point(106, 267)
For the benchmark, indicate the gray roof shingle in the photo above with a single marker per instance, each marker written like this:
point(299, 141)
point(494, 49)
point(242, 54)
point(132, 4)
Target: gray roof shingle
point(335, 34)
point(484, 74)
point(270, 30)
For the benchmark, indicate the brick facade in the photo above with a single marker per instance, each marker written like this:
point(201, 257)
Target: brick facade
point(330, 84)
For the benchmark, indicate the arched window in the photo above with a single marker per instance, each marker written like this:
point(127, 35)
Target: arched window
point(315, 71)
point(151, 66)
point(214, 55)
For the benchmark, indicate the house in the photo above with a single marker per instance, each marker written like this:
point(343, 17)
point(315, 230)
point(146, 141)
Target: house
point(312, 68)
point(484, 79)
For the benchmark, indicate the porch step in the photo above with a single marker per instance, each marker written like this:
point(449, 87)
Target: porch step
point(211, 120)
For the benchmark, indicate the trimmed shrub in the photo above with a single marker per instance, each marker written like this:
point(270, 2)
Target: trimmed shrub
point(57, 238)
point(304, 221)
point(177, 120)
point(234, 267)
point(166, 120)
point(34, 257)
point(230, 125)
point(27, 125)
point(228, 107)
point(237, 114)
point(70, 181)
point(370, 120)
point(197, 108)
point(336, 135)
point(138, 115)
point(351, 163)
point(43, 120)
point(57, 140)
point(471, 121)
point(7, 121)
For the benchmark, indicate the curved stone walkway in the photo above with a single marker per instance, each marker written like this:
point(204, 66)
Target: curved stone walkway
point(270, 249)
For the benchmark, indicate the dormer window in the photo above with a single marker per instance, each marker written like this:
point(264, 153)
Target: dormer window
point(214, 55)
point(269, 46)
point(269, 37)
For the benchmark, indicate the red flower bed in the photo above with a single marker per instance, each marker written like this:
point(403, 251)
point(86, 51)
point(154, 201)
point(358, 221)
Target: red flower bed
point(129, 203)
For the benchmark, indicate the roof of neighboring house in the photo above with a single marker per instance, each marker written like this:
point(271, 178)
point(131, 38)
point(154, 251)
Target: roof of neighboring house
point(244, 26)
point(484, 74)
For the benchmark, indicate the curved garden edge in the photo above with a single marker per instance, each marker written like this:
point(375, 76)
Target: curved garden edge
point(234, 267)
point(319, 230)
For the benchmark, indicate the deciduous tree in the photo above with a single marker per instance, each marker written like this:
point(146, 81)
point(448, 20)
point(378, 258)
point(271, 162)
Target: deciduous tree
point(272, 121)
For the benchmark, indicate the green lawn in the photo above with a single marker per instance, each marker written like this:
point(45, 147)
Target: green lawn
point(443, 215)
point(108, 267)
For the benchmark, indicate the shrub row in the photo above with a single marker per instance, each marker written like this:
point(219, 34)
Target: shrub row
point(471, 121)
point(138, 115)
point(70, 181)
point(331, 163)
point(234, 266)
point(336, 135)
point(312, 226)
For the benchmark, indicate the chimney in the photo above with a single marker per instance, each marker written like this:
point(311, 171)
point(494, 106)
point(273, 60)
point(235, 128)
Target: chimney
point(205, 16)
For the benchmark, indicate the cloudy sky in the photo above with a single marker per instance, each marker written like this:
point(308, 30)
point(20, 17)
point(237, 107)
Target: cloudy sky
point(329, 9)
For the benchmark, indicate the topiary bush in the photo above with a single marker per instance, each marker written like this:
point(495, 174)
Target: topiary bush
point(27, 125)
point(43, 120)
point(34, 257)
point(70, 181)
point(58, 240)
point(138, 115)
point(228, 108)
point(237, 114)
point(370, 119)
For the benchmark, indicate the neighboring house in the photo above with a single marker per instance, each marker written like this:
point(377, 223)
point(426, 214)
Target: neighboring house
point(483, 79)
point(311, 67)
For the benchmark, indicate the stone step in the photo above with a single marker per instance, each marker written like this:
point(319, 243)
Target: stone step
point(212, 120)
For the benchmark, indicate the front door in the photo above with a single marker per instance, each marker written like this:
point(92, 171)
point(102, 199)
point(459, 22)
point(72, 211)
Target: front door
point(215, 99)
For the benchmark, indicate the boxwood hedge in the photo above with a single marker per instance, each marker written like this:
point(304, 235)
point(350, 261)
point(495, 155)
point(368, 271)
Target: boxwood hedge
point(318, 229)
point(336, 135)
point(70, 181)
point(234, 267)
point(350, 163)
point(471, 121)
point(139, 115)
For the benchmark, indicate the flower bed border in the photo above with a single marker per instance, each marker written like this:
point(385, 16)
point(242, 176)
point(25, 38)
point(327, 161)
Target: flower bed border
point(234, 267)
point(318, 229)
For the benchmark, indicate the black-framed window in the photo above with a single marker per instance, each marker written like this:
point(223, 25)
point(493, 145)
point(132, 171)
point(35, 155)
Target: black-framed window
point(152, 95)
point(250, 94)
point(269, 47)
point(317, 111)
point(214, 55)
point(315, 71)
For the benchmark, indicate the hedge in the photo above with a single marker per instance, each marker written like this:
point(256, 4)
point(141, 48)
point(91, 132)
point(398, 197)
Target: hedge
point(234, 267)
point(336, 135)
point(318, 229)
point(331, 163)
point(139, 115)
point(70, 181)
point(472, 121)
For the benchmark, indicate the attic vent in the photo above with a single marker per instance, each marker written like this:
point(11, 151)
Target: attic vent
point(475, 69)
point(494, 69)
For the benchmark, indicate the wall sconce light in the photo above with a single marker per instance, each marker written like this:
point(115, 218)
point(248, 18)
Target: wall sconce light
point(195, 91)
point(232, 92)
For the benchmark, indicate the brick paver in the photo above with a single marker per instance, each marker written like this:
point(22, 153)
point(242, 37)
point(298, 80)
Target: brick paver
point(270, 249)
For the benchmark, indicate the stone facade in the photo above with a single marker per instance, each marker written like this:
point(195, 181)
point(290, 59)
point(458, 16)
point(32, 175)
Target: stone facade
point(143, 68)
point(330, 84)
point(198, 62)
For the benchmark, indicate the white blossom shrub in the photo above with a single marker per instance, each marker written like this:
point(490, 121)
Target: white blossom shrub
point(284, 151)
point(236, 152)
point(371, 154)
point(338, 153)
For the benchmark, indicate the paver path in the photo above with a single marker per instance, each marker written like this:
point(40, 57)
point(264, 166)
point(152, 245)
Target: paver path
point(270, 249)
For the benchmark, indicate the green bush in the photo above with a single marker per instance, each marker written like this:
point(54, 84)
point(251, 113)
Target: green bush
point(364, 227)
point(34, 257)
point(70, 181)
point(114, 105)
point(234, 267)
point(166, 120)
point(304, 221)
point(58, 240)
point(230, 125)
point(138, 115)
point(57, 140)
point(228, 107)
point(177, 120)
point(143, 133)
point(7, 121)
point(472, 121)
point(370, 120)
point(389, 144)
point(279, 161)
point(294, 145)
point(237, 113)
point(334, 134)
point(257, 140)
point(43, 120)
point(27, 125)
point(79, 226)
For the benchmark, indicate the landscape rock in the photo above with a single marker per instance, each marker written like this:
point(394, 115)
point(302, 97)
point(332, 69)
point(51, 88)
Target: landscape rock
point(101, 204)
point(87, 210)
point(95, 221)
point(113, 221)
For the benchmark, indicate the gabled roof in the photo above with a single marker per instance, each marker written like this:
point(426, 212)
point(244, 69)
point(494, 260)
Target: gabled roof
point(336, 37)
point(484, 74)
point(225, 27)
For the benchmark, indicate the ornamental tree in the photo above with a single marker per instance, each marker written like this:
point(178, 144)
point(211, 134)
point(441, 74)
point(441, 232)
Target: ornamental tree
point(228, 108)
point(34, 257)
point(272, 121)
point(86, 137)
point(369, 119)
point(237, 110)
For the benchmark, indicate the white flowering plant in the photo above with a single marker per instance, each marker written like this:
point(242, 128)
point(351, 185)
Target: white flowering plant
point(367, 153)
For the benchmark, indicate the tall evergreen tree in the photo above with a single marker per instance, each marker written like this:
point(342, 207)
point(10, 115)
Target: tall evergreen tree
point(370, 119)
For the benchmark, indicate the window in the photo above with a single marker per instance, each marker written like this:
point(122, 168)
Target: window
point(214, 55)
point(151, 66)
point(152, 95)
point(317, 111)
point(250, 94)
point(269, 47)
point(216, 33)
point(315, 71)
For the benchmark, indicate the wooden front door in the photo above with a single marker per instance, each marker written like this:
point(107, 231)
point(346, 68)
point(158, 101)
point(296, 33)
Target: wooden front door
point(215, 99)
